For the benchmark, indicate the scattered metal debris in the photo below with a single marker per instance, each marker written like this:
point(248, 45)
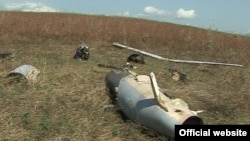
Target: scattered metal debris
point(25, 71)
point(129, 66)
point(174, 60)
point(141, 100)
point(107, 106)
point(136, 58)
point(82, 52)
point(109, 66)
point(126, 66)
point(177, 75)
point(8, 55)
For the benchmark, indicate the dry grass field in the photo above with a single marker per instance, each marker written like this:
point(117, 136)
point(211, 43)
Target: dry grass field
point(67, 99)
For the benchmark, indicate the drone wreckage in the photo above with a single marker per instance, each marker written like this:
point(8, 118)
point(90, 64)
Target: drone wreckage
point(142, 101)
point(138, 96)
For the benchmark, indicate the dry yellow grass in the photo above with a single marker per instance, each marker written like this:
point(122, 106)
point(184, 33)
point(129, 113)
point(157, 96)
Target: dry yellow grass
point(66, 100)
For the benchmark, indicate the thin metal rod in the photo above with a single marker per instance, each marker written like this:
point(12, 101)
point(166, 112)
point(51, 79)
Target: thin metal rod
point(174, 60)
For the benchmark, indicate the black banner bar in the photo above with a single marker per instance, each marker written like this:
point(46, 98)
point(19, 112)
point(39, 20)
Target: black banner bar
point(188, 132)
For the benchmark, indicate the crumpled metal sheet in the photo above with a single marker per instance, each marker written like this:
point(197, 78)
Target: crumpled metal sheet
point(27, 71)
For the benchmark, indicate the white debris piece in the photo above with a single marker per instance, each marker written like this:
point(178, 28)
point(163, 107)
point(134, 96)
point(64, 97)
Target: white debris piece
point(28, 71)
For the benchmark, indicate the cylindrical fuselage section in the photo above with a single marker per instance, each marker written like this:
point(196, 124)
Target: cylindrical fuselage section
point(136, 100)
point(139, 105)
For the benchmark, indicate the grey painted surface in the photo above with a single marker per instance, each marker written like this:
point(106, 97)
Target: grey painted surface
point(135, 98)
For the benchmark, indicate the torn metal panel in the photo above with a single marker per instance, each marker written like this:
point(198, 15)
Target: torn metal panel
point(27, 71)
point(136, 99)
